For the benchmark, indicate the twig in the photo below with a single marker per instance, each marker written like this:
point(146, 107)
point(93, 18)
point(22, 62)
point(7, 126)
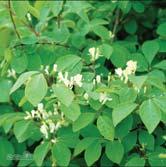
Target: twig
point(30, 28)
point(12, 19)
point(115, 24)
point(60, 13)
point(42, 43)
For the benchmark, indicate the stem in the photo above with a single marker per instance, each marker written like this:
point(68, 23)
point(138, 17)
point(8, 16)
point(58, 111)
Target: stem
point(60, 13)
point(42, 43)
point(115, 24)
point(12, 19)
point(30, 28)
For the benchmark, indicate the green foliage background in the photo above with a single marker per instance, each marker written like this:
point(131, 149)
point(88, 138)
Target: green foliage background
point(127, 131)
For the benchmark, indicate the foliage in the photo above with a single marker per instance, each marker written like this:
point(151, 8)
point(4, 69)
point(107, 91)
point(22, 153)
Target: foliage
point(82, 83)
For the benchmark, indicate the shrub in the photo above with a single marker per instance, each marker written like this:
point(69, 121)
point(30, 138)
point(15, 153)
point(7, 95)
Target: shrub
point(82, 83)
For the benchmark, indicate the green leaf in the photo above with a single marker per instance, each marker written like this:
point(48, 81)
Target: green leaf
point(11, 118)
point(131, 26)
point(105, 126)
point(69, 63)
point(83, 145)
point(20, 8)
point(150, 115)
point(146, 140)
point(22, 130)
point(21, 80)
point(102, 32)
point(61, 154)
point(60, 34)
point(123, 128)
point(6, 152)
point(161, 30)
point(122, 111)
point(127, 95)
point(36, 89)
point(19, 63)
point(5, 86)
point(106, 50)
point(155, 158)
point(142, 63)
point(138, 7)
point(161, 103)
point(68, 137)
point(64, 94)
point(136, 161)
point(83, 120)
point(34, 62)
point(119, 56)
point(138, 81)
point(161, 65)
point(72, 112)
point(150, 49)
point(92, 153)
point(40, 153)
point(115, 151)
point(129, 141)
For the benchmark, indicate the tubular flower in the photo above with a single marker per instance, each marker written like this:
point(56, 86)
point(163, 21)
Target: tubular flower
point(98, 79)
point(55, 67)
point(78, 80)
point(47, 125)
point(130, 69)
point(69, 82)
point(94, 53)
point(11, 73)
point(104, 98)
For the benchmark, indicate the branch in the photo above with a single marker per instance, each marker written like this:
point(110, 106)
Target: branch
point(41, 43)
point(12, 19)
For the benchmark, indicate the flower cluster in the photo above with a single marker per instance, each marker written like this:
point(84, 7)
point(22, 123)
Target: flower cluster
point(70, 81)
point(47, 125)
point(47, 69)
point(130, 69)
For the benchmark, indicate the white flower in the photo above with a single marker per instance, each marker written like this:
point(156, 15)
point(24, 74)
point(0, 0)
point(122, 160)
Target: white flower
point(53, 140)
point(44, 130)
point(45, 115)
point(40, 107)
point(119, 72)
point(104, 98)
point(47, 70)
point(94, 52)
point(57, 126)
point(145, 89)
point(11, 73)
point(98, 79)
point(58, 103)
point(64, 79)
point(55, 67)
point(132, 66)
point(94, 82)
point(86, 96)
point(60, 76)
point(29, 16)
point(33, 113)
point(130, 69)
point(28, 116)
point(111, 35)
point(78, 80)
point(52, 126)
